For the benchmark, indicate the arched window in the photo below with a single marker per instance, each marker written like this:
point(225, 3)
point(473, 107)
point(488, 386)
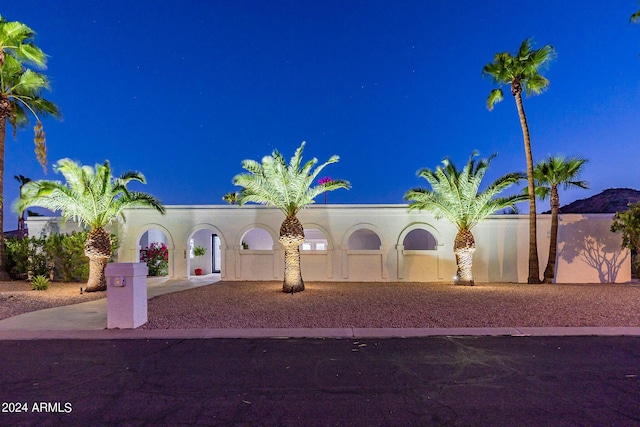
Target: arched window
point(364, 239)
point(257, 239)
point(314, 240)
point(419, 240)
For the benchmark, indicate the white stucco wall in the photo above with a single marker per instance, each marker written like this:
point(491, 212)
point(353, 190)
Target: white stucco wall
point(588, 251)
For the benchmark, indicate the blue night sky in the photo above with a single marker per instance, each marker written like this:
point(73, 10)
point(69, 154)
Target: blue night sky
point(184, 91)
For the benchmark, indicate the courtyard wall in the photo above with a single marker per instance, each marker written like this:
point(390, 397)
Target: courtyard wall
point(373, 243)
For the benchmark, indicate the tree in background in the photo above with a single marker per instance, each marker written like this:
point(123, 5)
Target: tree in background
point(288, 188)
point(522, 73)
point(22, 180)
point(231, 198)
point(635, 18)
point(628, 222)
point(20, 97)
point(558, 171)
point(455, 196)
point(93, 198)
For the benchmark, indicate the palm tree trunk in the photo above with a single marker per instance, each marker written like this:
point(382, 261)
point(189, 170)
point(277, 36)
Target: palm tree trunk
point(291, 237)
point(97, 280)
point(534, 267)
point(5, 109)
point(463, 247)
point(98, 249)
point(549, 272)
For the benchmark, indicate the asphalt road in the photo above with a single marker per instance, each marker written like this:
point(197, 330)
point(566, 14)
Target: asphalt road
point(479, 381)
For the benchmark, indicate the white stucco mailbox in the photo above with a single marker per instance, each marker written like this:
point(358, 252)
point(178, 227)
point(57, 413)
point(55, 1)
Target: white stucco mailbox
point(126, 295)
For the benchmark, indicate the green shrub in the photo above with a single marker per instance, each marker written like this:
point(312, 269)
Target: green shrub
point(26, 257)
point(40, 283)
point(58, 256)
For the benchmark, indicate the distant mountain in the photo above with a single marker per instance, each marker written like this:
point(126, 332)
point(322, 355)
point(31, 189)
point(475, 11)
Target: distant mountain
point(609, 201)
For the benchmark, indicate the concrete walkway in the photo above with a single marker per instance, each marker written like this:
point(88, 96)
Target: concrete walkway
point(88, 320)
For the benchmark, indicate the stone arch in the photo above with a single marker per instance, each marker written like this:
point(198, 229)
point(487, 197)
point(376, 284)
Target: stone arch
point(317, 262)
point(419, 226)
point(258, 226)
point(419, 259)
point(251, 260)
point(363, 260)
point(368, 230)
point(213, 261)
point(170, 243)
point(326, 234)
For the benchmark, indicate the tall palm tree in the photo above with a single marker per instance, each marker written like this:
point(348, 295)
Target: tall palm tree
point(22, 180)
point(20, 95)
point(522, 73)
point(288, 188)
point(94, 198)
point(455, 196)
point(549, 175)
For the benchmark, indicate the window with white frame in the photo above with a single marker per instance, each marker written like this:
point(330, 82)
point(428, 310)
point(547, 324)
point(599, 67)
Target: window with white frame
point(314, 240)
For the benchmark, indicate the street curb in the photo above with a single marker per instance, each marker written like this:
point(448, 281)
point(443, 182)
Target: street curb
point(283, 333)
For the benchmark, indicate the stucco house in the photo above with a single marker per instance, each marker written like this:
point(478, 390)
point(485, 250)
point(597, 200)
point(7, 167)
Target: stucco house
point(378, 243)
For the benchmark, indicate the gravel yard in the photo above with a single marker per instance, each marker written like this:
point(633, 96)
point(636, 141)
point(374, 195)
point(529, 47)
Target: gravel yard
point(335, 304)
point(17, 297)
point(396, 305)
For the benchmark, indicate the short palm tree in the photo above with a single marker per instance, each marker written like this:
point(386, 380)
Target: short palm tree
point(288, 188)
point(455, 196)
point(93, 198)
point(231, 198)
point(522, 73)
point(549, 175)
point(20, 96)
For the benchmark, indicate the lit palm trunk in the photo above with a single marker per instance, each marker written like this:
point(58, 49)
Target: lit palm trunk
point(291, 237)
point(98, 249)
point(463, 247)
point(550, 270)
point(534, 266)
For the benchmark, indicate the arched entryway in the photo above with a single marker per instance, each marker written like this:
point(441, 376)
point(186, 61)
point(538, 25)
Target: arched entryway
point(205, 253)
point(154, 248)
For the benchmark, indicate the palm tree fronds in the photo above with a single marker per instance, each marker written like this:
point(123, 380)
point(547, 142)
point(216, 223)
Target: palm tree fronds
point(287, 186)
point(494, 97)
point(90, 196)
point(455, 194)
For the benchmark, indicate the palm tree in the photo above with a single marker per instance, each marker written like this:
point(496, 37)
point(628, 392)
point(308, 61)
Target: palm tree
point(635, 18)
point(22, 180)
point(522, 72)
point(94, 198)
point(454, 196)
point(288, 188)
point(20, 90)
point(549, 175)
point(231, 198)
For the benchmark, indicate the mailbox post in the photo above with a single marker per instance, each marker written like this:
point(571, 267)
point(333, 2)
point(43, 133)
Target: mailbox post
point(126, 295)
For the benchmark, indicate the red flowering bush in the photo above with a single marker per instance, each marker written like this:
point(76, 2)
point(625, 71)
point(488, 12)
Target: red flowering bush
point(157, 258)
